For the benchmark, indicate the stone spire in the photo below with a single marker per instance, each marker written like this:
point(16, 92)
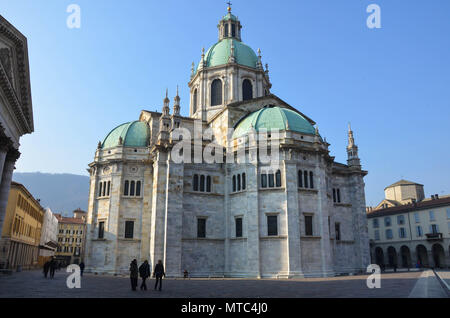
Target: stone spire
point(352, 150)
point(259, 65)
point(166, 107)
point(176, 105)
point(231, 59)
point(202, 61)
point(192, 70)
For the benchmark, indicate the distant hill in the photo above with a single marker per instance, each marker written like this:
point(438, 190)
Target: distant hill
point(62, 193)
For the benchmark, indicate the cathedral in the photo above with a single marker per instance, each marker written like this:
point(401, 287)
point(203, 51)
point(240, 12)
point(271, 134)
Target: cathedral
point(304, 217)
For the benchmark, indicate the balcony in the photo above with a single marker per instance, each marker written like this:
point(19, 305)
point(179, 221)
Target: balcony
point(434, 236)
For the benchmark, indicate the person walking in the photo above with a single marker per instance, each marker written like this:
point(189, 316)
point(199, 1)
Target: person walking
point(134, 274)
point(46, 268)
point(81, 268)
point(53, 266)
point(159, 273)
point(144, 271)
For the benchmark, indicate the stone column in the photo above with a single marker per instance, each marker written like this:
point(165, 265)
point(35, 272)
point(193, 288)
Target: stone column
point(3, 152)
point(5, 184)
point(361, 236)
point(173, 219)
point(322, 218)
point(252, 214)
point(158, 209)
point(146, 211)
point(292, 220)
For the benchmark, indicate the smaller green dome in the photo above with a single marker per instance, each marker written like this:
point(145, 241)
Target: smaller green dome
point(273, 117)
point(229, 16)
point(134, 134)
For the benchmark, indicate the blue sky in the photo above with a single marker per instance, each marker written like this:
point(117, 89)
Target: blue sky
point(392, 83)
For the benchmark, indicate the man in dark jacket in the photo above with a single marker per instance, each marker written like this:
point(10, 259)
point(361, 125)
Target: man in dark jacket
point(46, 268)
point(81, 268)
point(159, 273)
point(144, 271)
point(133, 274)
point(53, 266)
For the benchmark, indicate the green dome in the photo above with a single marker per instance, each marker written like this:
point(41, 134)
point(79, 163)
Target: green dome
point(229, 16)
point(273, 117)
point(134, 134)
point(219, 53)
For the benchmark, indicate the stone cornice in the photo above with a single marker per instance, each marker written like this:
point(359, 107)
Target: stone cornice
point(21, 49)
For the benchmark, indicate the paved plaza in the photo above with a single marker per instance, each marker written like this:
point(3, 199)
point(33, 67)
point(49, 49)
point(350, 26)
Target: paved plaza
point(33, 284)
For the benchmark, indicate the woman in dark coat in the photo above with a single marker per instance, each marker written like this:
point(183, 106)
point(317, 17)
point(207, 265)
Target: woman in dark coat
point(144, 271)
point(134, 274)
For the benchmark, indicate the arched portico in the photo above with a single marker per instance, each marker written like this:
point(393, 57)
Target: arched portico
point(406, 256)
point(422, 256)
point(438, 255)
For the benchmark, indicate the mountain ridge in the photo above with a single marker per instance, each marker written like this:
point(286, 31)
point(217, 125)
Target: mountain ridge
point(61, 192)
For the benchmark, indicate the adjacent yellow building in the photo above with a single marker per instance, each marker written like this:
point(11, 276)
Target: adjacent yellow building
point(21, 231)
point(71, 238)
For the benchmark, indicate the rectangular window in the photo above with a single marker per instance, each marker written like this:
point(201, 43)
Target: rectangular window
point(434, 228)
point(271, 181)
point(377, 235)
point(400, 219)
point(129, 229)
point(101, 229)
point(334, 195)
point(402, 232)
point(432, 216)
point(389, 235)
point(387, 221)
point(375, 223)
point(417, 217)
point(337, 227)
point(272, 225)
point(338, 192)
point(233, 30)
point(309, 225)
point(201, 227)
point(264, 181)
point(419, 231)
point(238, 227)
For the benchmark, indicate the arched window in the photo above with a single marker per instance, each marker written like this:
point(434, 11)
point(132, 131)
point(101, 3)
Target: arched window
point(233, 30)
point(247, 90)
point(300, 179)
point(195, 187)
point(264, 180)
point(100, 189)
point(194, 102)
point(239, 182)
point(104, 189)
point(305, 178)
point(132, 188)
point(208, 184)
point(271, 180)
point(138, 188)
point(109, 187)
point(216, 92)
point(243, 181)
point(202, 183)
point(125, 188)
point(226, 30)
point(234, 183)
point(311, 180)
point(278, 178)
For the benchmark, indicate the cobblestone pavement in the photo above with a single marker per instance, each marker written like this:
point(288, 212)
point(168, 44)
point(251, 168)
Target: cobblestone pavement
point(33, 284)
point(445, 275)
